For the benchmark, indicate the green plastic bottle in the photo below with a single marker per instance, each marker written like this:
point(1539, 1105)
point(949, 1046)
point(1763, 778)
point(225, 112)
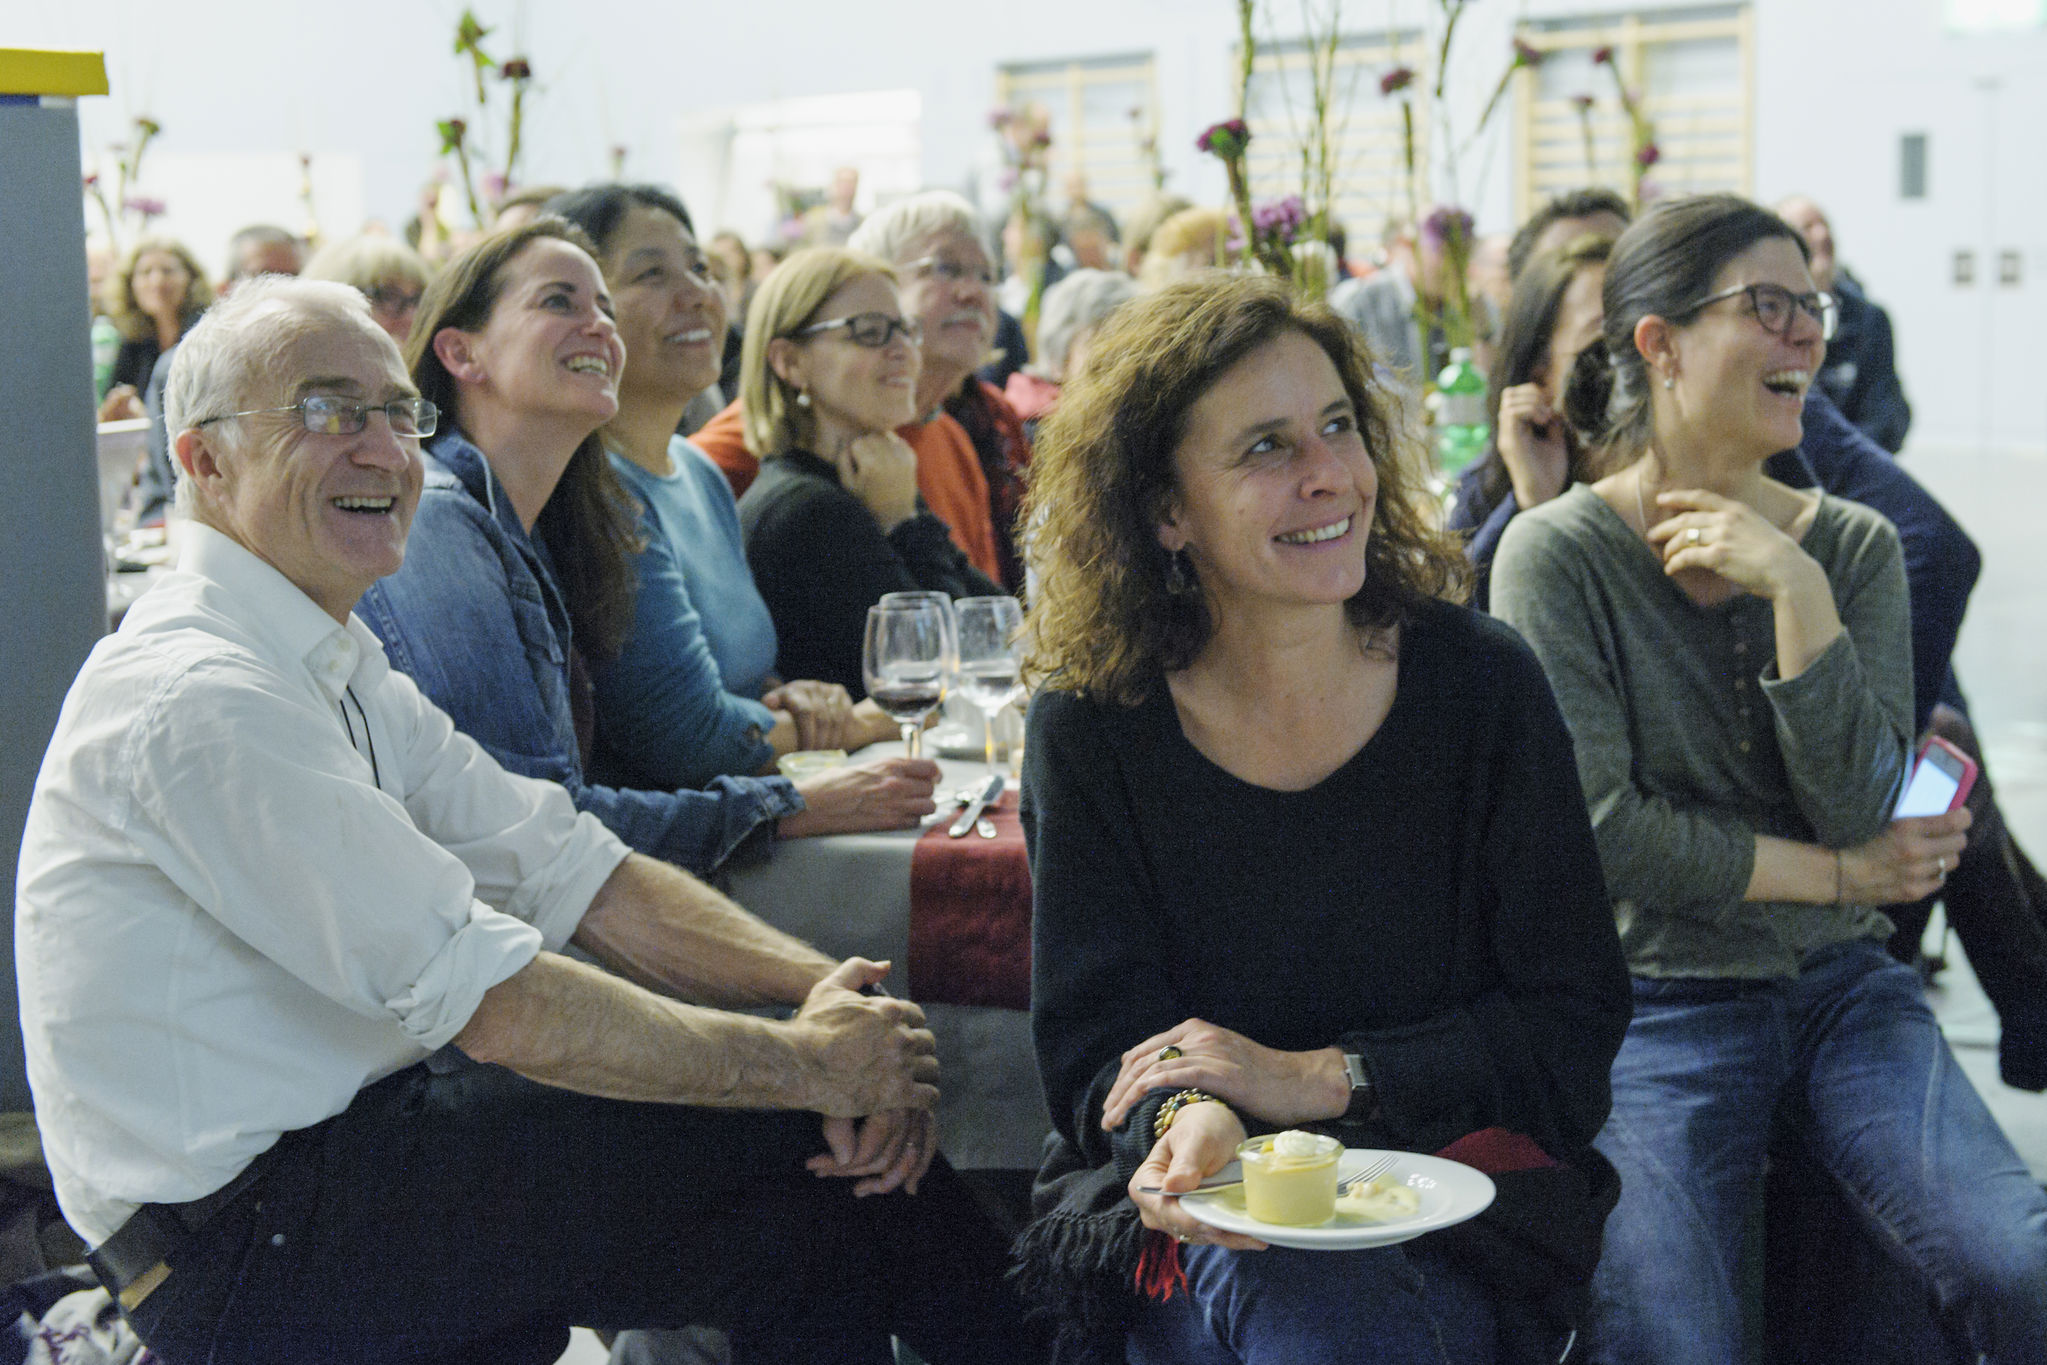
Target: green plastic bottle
point(1461, 430)
point(106, 347)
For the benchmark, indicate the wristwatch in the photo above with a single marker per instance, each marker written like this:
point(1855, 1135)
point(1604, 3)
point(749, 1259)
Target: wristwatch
point(1364, 1098)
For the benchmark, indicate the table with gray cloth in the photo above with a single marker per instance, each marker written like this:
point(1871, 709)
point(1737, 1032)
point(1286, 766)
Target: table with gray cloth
point(849, 894)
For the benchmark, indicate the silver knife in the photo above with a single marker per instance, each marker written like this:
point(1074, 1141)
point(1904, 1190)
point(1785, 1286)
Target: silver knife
point(965, 824)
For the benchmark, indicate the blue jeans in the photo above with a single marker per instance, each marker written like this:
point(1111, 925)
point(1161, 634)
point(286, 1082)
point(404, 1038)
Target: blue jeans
point(1848, 1055)
point(1397, 1305)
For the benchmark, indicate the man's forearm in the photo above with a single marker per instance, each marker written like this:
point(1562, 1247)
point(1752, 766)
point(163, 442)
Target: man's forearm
point(671, 933)
point(567, 1024)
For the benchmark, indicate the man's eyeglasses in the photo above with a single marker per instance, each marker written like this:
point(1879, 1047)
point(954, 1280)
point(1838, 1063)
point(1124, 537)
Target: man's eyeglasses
point(1775, 307)
point(324, 415)
point(953, 272)
point(872, 330)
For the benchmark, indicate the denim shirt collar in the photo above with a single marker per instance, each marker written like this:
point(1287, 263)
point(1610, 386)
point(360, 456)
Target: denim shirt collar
point(456, 458)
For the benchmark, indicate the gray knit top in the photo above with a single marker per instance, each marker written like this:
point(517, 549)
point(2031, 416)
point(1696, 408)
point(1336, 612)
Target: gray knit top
point(1689, 744)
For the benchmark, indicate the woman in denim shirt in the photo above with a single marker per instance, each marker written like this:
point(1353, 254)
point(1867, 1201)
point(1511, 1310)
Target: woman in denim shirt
point(515, 343)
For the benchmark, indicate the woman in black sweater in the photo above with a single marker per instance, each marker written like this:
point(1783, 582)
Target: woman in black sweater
point(834, 522)
point(1299, 820)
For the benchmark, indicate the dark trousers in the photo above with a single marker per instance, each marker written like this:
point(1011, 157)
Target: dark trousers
point(469, 1215)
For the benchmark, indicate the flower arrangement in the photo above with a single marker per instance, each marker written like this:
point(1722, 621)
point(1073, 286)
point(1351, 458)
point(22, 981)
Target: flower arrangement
point(125, 204)
point(457, 135)
point(1643, 151)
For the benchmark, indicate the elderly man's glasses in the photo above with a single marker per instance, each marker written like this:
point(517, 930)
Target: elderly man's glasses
point(872, 330)
point(1775, 307)
point(953, 272)
point(324, 415)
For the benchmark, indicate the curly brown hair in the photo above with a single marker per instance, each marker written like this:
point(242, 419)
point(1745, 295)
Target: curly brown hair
point(1103, 477)
point(129, 320)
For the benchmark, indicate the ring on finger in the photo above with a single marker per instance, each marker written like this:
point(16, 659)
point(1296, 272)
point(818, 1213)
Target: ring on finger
point(1170, 1053)
point(1692, 536)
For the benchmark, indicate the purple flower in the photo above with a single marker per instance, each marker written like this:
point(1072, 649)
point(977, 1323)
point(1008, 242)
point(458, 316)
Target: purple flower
point(1602, 56)
point(1226, 140)
point(1399, 78)
point(1447, 223)
point(1006, 178)
point(148, 208)
point(1527, 54)
point(494, 186)
point(516, 69)
point(451, 131)
point(1647, 155)
point(1278, 220)
point(1000, 117)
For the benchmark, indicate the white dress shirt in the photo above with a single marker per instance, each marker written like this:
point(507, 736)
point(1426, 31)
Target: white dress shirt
point(260, 872)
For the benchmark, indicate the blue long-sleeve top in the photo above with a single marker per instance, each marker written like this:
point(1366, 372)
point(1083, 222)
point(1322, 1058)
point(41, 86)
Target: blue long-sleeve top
point(477, 619)
point(1941, 562)
point(668, 711)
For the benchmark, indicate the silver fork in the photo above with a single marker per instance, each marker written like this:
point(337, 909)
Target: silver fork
point(1365, 1177)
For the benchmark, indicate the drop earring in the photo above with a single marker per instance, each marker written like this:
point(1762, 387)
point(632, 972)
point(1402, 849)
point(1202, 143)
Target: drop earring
point(803, 398)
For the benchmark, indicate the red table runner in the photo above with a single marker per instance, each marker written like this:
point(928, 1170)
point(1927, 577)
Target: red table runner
point(970, 915)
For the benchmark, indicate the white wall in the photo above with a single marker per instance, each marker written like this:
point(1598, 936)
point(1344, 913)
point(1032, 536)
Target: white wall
point(1837, 82)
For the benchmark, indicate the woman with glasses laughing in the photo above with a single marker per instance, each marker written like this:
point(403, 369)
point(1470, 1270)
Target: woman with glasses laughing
point(1733, 658)
point(834, 522)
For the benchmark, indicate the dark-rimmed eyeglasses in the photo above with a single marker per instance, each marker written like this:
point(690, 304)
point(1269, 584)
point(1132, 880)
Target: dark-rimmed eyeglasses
point(1775, 307)
point(324, 415)
point(953, 272)
point(872, 330)
point(391, 299)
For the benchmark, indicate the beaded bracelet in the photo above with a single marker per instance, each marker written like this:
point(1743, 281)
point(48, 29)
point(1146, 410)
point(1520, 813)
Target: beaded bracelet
point(1172, 1107)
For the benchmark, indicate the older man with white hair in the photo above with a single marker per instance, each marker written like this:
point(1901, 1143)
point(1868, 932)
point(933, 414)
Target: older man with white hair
point(312, 1073)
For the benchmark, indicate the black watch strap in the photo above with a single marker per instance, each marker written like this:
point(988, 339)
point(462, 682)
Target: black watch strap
point(1364, 1098)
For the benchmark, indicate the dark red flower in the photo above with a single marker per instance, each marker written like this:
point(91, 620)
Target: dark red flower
point(1584, 103)
point(1527, 54)
point(1226, 140)
point(1647, 155)
point(1399, 78)
point(148, 126)
point(451, 130)
point(1602, 56)
point(516, 69)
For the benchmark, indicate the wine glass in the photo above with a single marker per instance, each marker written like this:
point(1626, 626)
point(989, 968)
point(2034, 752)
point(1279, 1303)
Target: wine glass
point(944, 605)
point(903, 661)
point(990, 658)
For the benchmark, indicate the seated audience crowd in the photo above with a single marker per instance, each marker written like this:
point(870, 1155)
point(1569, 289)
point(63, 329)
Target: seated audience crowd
point(379, 1003)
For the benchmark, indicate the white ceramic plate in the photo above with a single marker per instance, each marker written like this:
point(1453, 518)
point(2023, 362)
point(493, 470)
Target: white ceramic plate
point(1450, 1192)
point(949, 740)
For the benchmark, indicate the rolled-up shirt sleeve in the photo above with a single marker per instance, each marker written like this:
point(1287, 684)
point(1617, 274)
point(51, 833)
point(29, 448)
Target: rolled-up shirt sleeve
point(278, 828)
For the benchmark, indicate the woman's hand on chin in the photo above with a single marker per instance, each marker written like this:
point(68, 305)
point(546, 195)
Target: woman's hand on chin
point(1282, 1087)
point(1203, 1139)
point(1704, 530)
point(890, 793)
point(880, 469)
point(1533, 445)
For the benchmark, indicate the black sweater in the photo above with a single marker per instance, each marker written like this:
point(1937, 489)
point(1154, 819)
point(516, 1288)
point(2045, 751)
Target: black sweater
point(820, 561)
point(1435, 905)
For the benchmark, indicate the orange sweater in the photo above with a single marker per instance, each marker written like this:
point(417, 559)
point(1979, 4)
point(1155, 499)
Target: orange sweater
point(948, 475)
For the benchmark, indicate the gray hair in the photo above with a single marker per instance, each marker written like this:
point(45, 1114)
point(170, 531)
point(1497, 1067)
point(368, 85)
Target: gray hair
point(233, 351)
point(368, 262)
point(892, 233)
point(1072, 306)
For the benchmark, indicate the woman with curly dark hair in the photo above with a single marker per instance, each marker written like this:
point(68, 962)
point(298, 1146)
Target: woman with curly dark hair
point(1305, 856)
point(155, 297)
